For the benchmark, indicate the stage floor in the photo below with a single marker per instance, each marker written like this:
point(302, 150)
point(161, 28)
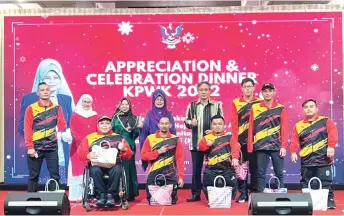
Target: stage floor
point(140, 207)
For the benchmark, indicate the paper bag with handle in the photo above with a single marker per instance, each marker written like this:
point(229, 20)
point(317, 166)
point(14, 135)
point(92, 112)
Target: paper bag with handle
point(106, 157)
point(57, 188)
point(319, 196)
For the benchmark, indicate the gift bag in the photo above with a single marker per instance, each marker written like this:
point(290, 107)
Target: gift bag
point(319, 197)
point(220, 197)
point(160, 195)
point(106, 156)
point(242, 170)
point(278, 190)
point(57, 189)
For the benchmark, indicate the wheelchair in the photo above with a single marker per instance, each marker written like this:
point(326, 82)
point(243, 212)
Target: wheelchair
point(91, 195)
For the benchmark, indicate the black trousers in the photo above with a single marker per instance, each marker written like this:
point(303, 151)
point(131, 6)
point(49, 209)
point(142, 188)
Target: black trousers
point(115, 174)
point(161, 182)
point(210, 175)
point(35, 165)
point(277, 162)
point(243, 184)
point(197, 164)
point(324, 173)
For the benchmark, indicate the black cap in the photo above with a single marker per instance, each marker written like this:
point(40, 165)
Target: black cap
point(104, 117)
point(268, 85)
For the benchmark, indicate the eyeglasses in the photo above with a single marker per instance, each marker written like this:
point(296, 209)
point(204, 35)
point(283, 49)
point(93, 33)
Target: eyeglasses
point(247, 87)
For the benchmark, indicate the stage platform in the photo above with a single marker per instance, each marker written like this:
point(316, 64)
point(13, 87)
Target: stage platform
point(140, 207)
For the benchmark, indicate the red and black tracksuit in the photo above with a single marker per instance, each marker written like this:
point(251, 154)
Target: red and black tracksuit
point(311, 139)
point(267, 134)
point(240, 115)
point(219, 159)
point(97, 172)
point(167, 166)
point(40, 123)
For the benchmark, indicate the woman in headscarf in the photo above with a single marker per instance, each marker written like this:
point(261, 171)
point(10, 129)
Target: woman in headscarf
point(151, 121)
point(125, 123)
point(50, 72)
point(82, 123)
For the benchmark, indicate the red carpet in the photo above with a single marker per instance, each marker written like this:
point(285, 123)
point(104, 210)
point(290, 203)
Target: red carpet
point(140, 207)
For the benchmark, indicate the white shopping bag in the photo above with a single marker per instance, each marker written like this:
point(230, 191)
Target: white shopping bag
point(106, 157)
point(57, 189)
point(220, 197)
point(319, 197)
point(160, 195)
point(278, 190)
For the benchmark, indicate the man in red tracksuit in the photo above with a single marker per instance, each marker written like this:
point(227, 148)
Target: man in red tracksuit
point(316, 137)
point(40, 121)
point(268, 135)
point(165, 153)
point(105, 136)
point(241, 108)
point(222, 154)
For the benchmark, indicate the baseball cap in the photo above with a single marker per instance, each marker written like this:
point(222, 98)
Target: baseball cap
point(268, 85)
point(104, 117)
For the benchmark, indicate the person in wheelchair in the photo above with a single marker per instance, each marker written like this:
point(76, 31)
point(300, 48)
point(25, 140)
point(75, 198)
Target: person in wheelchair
point(164, 151)
point(105, 135)
point(222, 154)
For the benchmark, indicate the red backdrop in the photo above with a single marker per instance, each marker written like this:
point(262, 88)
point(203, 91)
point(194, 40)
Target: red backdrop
point(301, 53)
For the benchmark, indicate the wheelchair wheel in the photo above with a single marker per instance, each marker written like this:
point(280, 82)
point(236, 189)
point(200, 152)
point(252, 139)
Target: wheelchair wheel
point(86, 185)
point(123, 185)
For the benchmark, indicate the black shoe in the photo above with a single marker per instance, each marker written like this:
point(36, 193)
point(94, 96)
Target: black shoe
point(174, 201)
point(331, 204)
point(242, 198)
point(194, 198)
point(110, 201)
point(102, 200)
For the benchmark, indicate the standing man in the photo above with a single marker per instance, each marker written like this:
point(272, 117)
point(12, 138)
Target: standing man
point(198, 119)
point(241, 108)
point(164, 150)
point(316, 137)
point(268, 134)
point(41, 119)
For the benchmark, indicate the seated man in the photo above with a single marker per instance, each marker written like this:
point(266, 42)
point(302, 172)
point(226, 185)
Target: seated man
point(221, 152)
point(164, 151)
point(105, 135)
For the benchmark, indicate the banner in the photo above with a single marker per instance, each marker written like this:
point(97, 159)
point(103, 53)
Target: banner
point(116, 56)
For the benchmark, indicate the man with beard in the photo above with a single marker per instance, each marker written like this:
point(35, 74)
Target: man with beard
point(268, 135)
point(316, 137)
point(165, 153)
point(222, 152)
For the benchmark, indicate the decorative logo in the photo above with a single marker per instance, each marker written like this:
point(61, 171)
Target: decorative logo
point(171, 36)
point(327, 172)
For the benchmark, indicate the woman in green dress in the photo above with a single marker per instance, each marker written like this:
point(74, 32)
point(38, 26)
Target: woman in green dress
point(125, 123)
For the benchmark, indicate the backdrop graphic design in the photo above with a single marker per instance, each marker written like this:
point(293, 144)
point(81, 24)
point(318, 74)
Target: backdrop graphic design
point(130, 55)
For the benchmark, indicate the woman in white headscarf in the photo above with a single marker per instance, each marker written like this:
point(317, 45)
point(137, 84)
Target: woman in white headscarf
point(83, 122)
point(50, 72)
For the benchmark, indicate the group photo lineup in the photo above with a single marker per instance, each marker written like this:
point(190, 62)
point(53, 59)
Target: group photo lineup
point(175, 109)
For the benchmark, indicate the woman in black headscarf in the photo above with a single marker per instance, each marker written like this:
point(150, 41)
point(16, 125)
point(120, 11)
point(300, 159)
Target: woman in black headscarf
point(125, 123)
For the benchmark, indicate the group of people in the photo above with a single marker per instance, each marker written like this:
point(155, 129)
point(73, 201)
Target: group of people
point(259, 132)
